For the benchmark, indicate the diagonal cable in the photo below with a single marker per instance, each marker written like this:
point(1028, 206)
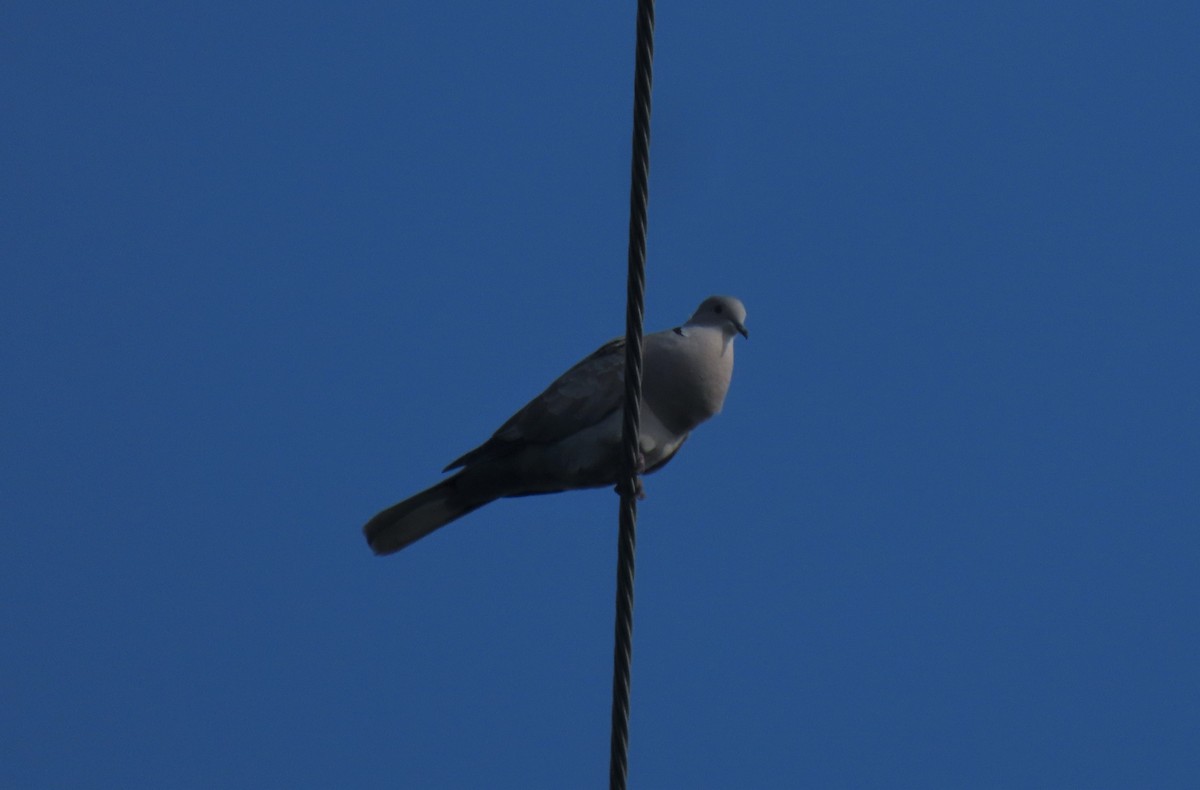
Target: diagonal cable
point(627, 483)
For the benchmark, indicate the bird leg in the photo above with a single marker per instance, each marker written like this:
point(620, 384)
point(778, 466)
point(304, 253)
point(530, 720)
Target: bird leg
point(639, 490)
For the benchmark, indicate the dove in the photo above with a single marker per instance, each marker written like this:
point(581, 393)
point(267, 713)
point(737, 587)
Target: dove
point(569, 437)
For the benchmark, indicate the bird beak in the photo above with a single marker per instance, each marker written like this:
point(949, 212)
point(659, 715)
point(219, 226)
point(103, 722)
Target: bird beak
point(742, 330)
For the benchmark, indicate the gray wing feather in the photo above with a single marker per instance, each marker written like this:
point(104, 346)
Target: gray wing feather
point(579, 398)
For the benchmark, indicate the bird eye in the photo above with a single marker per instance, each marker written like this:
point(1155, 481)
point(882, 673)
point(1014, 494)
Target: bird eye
point(717, 309)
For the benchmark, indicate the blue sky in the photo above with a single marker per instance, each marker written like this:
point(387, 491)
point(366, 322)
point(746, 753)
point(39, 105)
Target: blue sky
point(269, 267)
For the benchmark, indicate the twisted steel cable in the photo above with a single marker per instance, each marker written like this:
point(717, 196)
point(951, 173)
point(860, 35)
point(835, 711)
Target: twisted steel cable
point(627, 483)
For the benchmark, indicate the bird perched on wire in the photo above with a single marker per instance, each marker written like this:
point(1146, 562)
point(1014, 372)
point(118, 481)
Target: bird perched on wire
point(569, 437)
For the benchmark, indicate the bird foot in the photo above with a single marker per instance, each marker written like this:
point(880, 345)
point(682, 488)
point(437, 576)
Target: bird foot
point(639, 490)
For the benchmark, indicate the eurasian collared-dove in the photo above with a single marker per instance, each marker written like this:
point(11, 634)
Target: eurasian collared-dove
point(570, 436)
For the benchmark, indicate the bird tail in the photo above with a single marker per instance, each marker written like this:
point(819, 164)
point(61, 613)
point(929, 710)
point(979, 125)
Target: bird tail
point(419, 515)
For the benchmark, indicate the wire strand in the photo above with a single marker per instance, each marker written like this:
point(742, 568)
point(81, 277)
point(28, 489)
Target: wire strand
point(627, 484)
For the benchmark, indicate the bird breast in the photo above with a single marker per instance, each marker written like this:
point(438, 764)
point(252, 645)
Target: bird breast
point(687, 374)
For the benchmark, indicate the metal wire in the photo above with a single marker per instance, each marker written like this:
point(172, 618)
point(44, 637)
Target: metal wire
point(627, 483)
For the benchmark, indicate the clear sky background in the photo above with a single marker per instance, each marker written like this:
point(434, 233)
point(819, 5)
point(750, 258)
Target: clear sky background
point(267, 267)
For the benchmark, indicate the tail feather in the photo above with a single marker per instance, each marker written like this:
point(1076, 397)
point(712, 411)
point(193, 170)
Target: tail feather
point(414, 518)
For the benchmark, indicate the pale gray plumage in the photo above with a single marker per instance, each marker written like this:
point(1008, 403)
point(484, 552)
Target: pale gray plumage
point(569, 436)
